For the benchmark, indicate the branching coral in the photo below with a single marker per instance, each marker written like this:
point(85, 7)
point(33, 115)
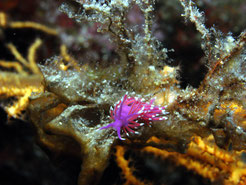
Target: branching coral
point(20, 84)
point(202, 156)
point(124, 165)
point(21, 77)
point(26, 77)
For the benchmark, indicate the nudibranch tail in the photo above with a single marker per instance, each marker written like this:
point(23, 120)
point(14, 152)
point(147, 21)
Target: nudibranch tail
point(118, 132)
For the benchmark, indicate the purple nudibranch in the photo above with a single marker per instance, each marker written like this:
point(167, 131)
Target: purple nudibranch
point(130, 110)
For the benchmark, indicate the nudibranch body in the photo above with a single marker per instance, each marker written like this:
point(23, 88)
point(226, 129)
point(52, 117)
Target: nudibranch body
point(130, 110)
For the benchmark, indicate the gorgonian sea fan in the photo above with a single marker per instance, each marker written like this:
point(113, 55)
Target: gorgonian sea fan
point(129, 111)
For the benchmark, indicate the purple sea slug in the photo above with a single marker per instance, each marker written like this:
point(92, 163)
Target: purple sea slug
point(129, 111)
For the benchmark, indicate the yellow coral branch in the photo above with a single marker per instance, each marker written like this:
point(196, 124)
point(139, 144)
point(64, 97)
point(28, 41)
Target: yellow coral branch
point(15, 65)
point(68, 58)
point(17, 54)
point(31, 56)
point(3, 19)
point(124, 165)
point(28, 24)
point(208, 160)
point(14, 91)
point(20, 105)
point(30, 63)
point(12, 84)
point(200, 145)
point(205, 170)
